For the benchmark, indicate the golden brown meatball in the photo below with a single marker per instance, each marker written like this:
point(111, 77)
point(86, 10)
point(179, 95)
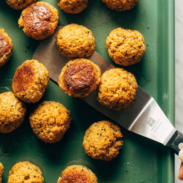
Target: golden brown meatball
point(25, 172)
point(39, 20)
point(77, 174)
point(79, 77)
point(103, 141)
point(12, 112)
point(125, 47)
point(72, 6)
point(6, 47)
point(117, 89)
point(75, 41)
point(19, 4)
point(1, 171)
point(120, 5)
point(50, 121)
point(30, 81)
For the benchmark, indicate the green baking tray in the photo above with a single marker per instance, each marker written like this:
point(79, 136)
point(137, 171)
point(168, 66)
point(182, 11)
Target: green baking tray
point(140, 160)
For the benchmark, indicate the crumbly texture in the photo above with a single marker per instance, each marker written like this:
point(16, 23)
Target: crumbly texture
point(77, 174)
point(79, 77)
point(19, 4)
point(1, 171)
point(39, 20)
point(125, 47)
point(6, 47)
point(103, 140)
point(117, 89)
point(120, 5)
point(12, 112)
point(72, 6)
point(25, 172)
point(30, 81)
point(50, 121)
point(75, 41)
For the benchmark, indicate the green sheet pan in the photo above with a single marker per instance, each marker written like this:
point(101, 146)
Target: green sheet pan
point(140, 160)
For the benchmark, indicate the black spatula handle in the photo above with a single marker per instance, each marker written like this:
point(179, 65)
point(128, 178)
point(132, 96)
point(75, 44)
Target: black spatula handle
point(174, 142)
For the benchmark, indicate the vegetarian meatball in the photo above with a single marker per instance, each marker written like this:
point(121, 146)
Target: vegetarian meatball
point(125, 47)
point(19, 4)
point(72, 6)
point(103, 140)
point(25, 172)
point(6, 47)
point(79, 77)
point(75, 41)
point(120, 5)
point(30, 81)
point(50, 121)
point(77, 174)
point(12, 112)
point(1, 171)
point(117, 89)
point(39, 20)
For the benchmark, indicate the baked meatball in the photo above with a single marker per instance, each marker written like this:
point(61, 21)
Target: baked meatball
point(12, 112)
point(117, 89)
point(50, 121)
point(30, 81)
point(39, 20)
point(77, 174)
point(1, 171)
point(72, 6)
point(25, 172)
point(79, 77)
point(19, 4)
point(75, 41)
point(125, 47)
point(120, 5)
point(103, 140)
point(6, 47)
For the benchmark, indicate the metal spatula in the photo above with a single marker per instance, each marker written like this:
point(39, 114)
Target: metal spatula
point(145, 117)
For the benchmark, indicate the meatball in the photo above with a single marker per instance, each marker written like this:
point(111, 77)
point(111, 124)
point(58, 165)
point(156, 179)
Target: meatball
point(120, 5)
point(19, 4)
point(117, 89)
point(103, 140)
point(75, 41)
point(77, 174)
point(125, 47)
point(50, 121)
point(6, 47)
point(39, 20)
point(72, 6)
point(30, 81)
point(12, 112)
point(25, 172)
point(79, 77)
point(1, 171)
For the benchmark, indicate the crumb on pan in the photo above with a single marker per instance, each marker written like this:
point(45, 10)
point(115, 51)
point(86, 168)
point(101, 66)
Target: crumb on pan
point(79, 77)
point(103, 140)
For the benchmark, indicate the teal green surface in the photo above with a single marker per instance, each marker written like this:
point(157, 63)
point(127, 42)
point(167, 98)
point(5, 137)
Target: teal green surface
point(140, 160)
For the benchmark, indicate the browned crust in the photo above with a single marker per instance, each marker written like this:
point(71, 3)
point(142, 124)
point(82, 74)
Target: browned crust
point(5, 45)
point(79, 77)
point(23, 77)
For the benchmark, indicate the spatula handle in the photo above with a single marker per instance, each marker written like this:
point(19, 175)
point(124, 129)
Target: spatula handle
point(175, 141)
